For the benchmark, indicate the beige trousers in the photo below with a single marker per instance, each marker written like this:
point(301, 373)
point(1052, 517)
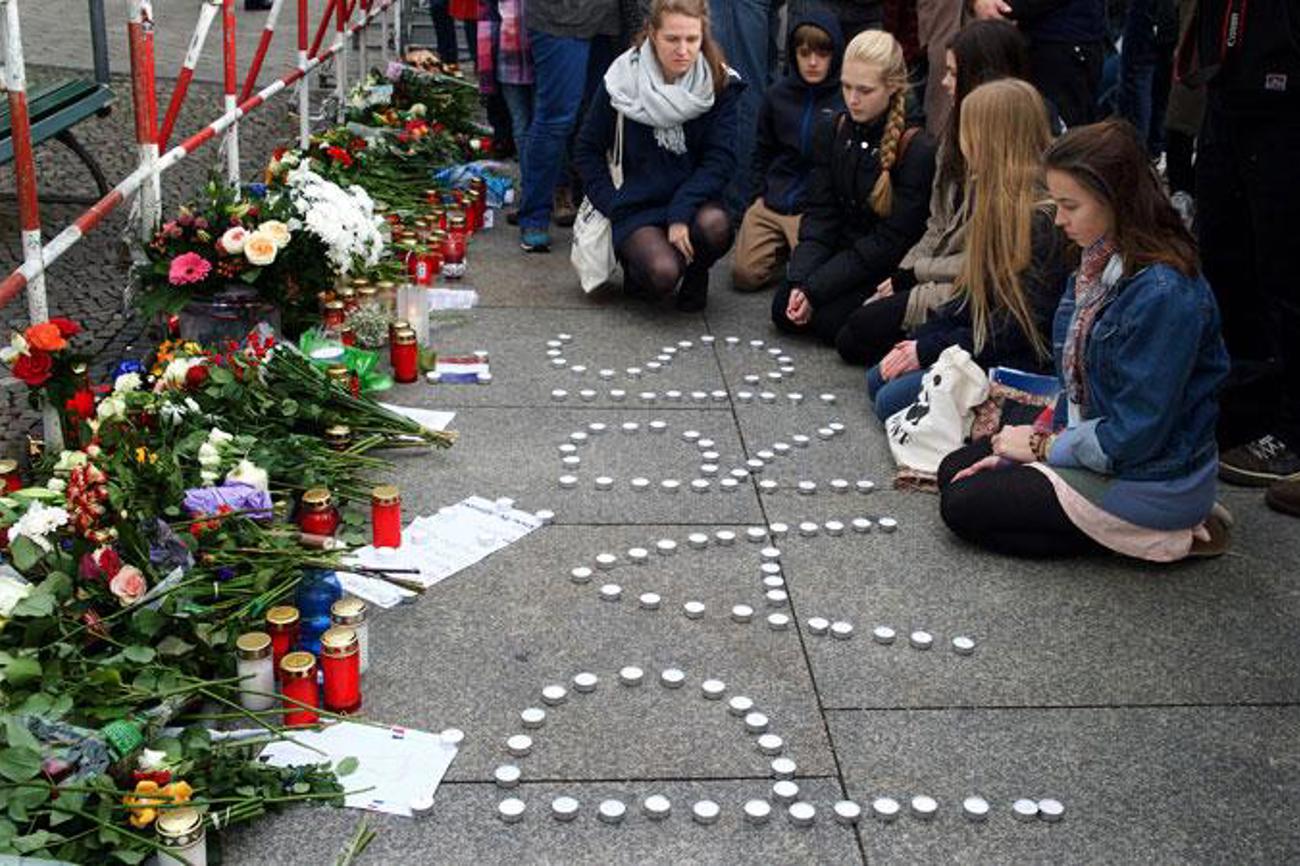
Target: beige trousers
point(763, 247)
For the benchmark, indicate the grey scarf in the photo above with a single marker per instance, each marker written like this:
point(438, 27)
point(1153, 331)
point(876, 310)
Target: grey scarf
point(637, 89)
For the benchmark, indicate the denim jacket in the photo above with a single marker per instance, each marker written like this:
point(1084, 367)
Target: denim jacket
point(1154, 363)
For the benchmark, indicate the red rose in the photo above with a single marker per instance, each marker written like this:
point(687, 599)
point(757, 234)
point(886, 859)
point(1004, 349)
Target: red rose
point(67, 327)
point(34, 368)
point(81, 405)
point(196, 377)
point(109, 562)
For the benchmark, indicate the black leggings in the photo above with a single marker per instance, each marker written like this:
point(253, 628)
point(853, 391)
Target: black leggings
point(827, 318)
point(872, 330)
point(1012, 511)
point(655, 267)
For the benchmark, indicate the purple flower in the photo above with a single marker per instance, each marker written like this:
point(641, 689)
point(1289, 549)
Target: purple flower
point(237, 497)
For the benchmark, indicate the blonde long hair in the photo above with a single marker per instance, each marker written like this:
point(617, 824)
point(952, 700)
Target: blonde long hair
point(880, 50)
point(1004, 132)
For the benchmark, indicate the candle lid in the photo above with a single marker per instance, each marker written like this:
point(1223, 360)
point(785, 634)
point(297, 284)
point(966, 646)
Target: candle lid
point(180, 827)
point(348, 611)
point(316, 497)
point(400, 325)
point(404, 338)
point(338, 641)
point(298, 664)
point(7, 466)
point(253, 645)
point(385, 494)
point(338, 431)
point(282, 615)
point(334, 306)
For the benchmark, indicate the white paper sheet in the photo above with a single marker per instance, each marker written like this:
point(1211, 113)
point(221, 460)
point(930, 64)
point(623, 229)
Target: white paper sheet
point(429, 418)
point(378, 592)
point(437, 546)
point(399, 765)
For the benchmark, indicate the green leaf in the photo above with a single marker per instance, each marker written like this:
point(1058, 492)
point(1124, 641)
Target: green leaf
point(26, 553)
point(68, 800)
point(37, 604)
point(17, 735)
point(220, 376)
point(346, 767)
point(173, 646)
point(289, 407)
point(19, 764)
point(139, 654)
point(35, 841)
point(148, 622)
point(21, 671)
point(130, 855)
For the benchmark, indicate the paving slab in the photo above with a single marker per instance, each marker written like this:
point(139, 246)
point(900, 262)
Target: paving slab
point(478, 648)
point(1098, 631)
point(1139, 785)
point(605, 345)
point(515, 453)
point(463, 828)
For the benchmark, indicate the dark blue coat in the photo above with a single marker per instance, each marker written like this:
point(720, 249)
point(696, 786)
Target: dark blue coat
point(790, 112)
point(659, 187)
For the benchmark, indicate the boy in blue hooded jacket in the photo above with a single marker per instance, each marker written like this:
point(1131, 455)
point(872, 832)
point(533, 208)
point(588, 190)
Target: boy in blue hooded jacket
point(783, 150)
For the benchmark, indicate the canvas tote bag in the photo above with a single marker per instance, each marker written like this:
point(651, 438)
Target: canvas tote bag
point(592, 253)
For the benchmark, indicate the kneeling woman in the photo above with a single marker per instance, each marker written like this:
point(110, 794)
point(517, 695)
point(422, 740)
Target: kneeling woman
point(678, 103)
point(868, 197)
point(1128, 463)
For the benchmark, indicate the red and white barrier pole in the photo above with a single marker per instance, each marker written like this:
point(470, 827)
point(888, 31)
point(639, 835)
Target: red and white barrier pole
point(344, 9)
point(144, 102)
point(206, 14)
point(29, 210)
point(268, 31)
point(383, 38)
point(326, 17)
point(364, 54)
point(396, 9)
point(231, 144)
point(304, 84)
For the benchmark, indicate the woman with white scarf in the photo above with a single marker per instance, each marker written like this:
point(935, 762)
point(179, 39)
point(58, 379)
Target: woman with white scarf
point(677, 99)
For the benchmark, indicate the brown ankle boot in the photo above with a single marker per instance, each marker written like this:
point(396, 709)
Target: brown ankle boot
point(563, 210)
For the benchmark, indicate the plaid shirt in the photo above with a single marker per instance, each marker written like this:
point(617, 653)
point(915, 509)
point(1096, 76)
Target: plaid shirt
point(503, 52)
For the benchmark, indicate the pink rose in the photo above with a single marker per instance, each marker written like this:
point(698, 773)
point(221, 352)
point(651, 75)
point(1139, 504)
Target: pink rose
point(128, 585)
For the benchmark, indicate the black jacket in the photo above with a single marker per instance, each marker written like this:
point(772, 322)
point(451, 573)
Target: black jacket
point(1006, 344)
point(786, 121)
point(1070, 21)
point(844, 246)
point(1247, 53)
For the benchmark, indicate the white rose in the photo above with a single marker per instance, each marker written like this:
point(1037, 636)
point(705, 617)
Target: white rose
point(247, 472)
point(17, 346)
point(126, 382)
point(418, 110)
point(57, 485)
point(219, 436)
point(174, 374)
point(208, 477)
point(209, 456)
point(260, 249)
point(276, 231)
point(111, 407)
point(152, 759)
point(234, 239)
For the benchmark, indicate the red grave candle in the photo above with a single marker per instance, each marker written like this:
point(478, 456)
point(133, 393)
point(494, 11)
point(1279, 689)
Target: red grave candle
point(317, 514)
point(282, 626)
point(386, 516)
point(340, 660)
point(298, 686)
point(404, 353)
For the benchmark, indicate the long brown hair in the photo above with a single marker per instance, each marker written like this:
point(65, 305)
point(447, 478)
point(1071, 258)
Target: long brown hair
point(1108, 159)
point(709, 46)
point(880, 50)
point(1003, 134)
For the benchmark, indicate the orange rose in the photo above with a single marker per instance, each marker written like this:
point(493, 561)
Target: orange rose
point(46, 337)
point(177, 792)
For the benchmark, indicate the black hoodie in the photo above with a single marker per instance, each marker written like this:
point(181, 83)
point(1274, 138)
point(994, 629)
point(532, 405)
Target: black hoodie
point(789, 114)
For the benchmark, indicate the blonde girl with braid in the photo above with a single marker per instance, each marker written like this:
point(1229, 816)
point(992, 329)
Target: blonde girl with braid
point(868, 198)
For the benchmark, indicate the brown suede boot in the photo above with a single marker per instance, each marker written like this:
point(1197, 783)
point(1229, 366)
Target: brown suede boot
point(563, 210)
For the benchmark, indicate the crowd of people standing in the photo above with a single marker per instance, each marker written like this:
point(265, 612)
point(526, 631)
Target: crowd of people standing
point(1089, 194)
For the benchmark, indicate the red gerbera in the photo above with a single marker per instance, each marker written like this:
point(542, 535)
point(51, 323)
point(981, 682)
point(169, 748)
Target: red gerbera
point(81, 404)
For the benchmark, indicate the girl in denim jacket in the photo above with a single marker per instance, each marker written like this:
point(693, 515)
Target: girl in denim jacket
point(1127, 462)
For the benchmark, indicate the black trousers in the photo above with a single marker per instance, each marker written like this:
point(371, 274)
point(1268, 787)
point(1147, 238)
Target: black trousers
point(827, 318)
point(1248, 211)
point(1012, 511)
point(1069, 75)
point(872, 330)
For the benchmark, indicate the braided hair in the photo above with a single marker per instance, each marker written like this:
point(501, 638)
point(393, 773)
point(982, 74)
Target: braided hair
point(880, 50)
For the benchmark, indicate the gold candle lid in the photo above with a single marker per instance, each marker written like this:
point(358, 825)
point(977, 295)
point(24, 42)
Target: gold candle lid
point(385, 285)
point(317, 497)
point(180, 827)
point(282, 615)
point(348, 611)
point(338, 431)
point(334, 306)
point(338, 641)
point(298, 664)
point(253, 645)
point(404, 338)
point(359, 283)
point(385, 494)
point(338, 373)
point(366, 293)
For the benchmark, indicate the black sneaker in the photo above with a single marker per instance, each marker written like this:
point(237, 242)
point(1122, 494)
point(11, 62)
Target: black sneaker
point(1265, 461)
point(693, 293)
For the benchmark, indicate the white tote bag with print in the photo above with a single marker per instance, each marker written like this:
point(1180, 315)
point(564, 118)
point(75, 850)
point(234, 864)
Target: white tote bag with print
point(938, 423)
point(592, 253)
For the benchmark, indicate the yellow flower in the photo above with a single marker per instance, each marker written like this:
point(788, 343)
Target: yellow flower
point(178, 792)
point(141, 818)
point(142, 813)
point(153, 457)
point(140, 454)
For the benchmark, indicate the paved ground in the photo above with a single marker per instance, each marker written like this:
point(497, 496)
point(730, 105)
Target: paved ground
point(1160, 705)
